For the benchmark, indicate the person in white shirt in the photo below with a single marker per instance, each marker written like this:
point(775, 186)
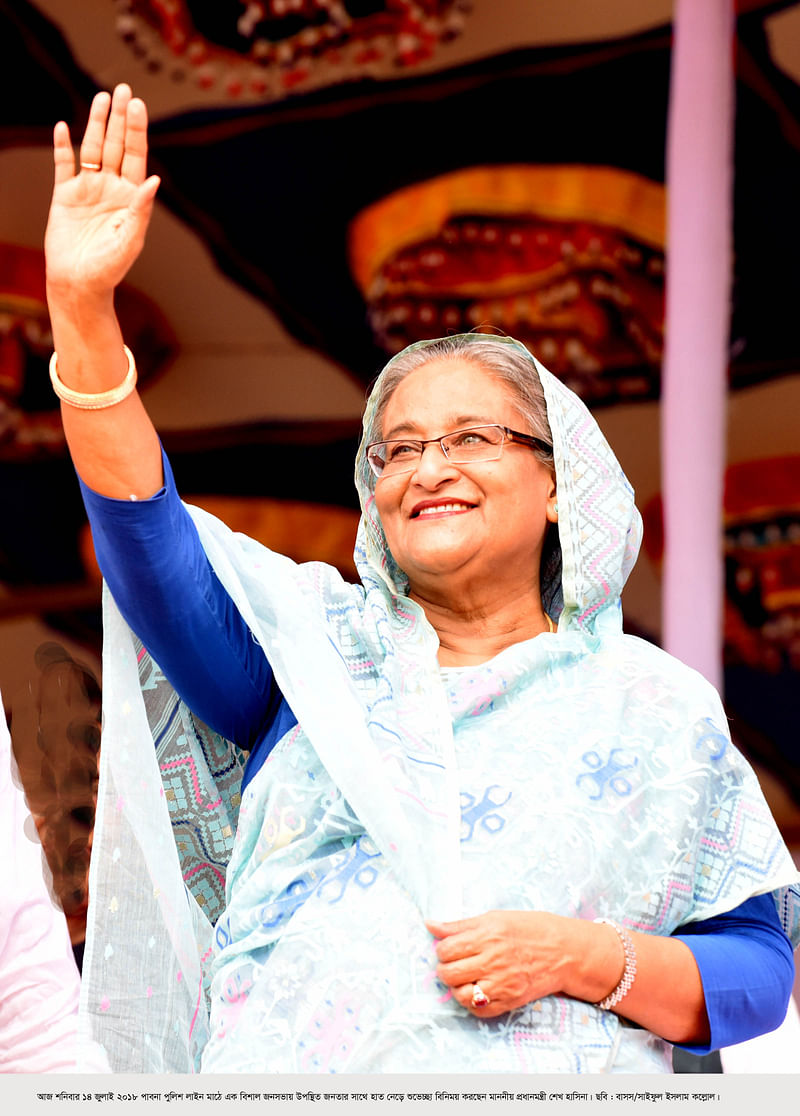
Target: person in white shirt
point(39, 979)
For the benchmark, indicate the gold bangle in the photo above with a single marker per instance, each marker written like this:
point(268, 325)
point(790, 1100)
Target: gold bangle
point(89, 401)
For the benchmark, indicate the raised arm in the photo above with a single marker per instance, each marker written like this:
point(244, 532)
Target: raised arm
point(149, 551)
point(96, 229)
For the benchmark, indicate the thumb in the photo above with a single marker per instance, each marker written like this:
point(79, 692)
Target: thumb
point(142, 201)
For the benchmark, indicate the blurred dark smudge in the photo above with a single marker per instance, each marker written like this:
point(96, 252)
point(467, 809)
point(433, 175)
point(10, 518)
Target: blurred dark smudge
point(55, 734)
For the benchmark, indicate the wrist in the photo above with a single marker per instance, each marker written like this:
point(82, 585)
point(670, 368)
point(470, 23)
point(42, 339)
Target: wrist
point(596, 961)
point(85, 332)
point(628, 975)
point(79, 304)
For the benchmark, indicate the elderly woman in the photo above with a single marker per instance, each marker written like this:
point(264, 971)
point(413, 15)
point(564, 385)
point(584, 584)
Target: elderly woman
point(462, 822)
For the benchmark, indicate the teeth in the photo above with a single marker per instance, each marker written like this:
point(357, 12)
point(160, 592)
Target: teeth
point(435, 508)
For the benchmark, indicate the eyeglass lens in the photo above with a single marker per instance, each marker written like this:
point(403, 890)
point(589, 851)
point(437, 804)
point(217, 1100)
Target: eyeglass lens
point(479, 443)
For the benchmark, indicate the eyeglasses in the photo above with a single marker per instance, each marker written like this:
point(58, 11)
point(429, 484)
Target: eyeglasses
point(462, 447)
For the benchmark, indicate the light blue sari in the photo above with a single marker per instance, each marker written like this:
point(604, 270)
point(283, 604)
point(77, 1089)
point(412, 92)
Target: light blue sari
point(583, 772)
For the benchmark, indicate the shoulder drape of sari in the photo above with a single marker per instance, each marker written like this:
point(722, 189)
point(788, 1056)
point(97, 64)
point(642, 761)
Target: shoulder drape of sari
point(585, 773)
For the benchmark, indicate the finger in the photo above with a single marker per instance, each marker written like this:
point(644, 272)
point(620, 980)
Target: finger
point(143, 199)
point(445, 929)
point(114, 141)
point(465, 993)
point(92, 143)
point(480, 999)
point(456, 946)
point(134, 159)
point(141, 205)
point(63, 155)
point(465, 970)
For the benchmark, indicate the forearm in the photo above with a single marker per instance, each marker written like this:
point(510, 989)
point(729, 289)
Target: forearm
point(715, 982)
point(522, 956)
point(115, 450)
point(666, 996)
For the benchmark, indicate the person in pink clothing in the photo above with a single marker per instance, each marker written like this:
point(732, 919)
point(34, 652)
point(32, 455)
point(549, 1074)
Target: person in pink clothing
point(39, 980)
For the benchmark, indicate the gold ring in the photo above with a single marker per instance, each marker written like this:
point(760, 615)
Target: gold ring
point(92, 166)
point(479, 997)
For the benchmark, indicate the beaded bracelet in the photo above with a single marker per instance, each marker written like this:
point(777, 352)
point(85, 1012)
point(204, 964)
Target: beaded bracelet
point(88, 401)
point(629, 973)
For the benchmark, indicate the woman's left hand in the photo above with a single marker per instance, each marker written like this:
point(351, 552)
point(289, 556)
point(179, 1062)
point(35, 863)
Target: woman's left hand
point(520, 956)
point(515, 956)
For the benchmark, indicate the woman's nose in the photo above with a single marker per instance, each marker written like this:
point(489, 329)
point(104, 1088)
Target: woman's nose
point(433, 466)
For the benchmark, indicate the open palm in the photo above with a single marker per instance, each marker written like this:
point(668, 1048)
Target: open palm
point(99, 217)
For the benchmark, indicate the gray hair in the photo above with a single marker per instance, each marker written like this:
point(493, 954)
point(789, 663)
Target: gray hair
point(510, 363)
point(501, 357)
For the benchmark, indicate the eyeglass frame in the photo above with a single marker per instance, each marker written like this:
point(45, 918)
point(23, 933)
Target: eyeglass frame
point(510, 436)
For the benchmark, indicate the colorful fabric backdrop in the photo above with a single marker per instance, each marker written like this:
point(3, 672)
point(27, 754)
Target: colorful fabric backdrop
point(339, 179)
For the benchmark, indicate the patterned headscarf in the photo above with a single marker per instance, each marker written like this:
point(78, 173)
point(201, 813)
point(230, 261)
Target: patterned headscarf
point(636, 804)
point(599, 526)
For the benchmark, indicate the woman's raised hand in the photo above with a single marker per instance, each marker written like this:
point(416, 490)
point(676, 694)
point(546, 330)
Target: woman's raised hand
point(99, 217)
point(96, 229)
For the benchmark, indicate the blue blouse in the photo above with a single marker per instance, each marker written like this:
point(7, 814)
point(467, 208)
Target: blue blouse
point(164, 586)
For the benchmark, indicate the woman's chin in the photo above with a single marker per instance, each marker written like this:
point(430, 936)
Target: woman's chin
point(438, 574)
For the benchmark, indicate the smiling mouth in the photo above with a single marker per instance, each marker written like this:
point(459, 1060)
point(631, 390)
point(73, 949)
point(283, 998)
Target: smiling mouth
point(448, 508)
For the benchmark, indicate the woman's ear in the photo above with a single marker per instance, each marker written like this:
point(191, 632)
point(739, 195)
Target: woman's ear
point(552, 503)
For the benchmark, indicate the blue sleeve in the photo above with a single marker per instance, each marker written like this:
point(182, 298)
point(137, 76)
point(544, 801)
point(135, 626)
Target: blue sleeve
point(151, 557)
point(747, 969)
